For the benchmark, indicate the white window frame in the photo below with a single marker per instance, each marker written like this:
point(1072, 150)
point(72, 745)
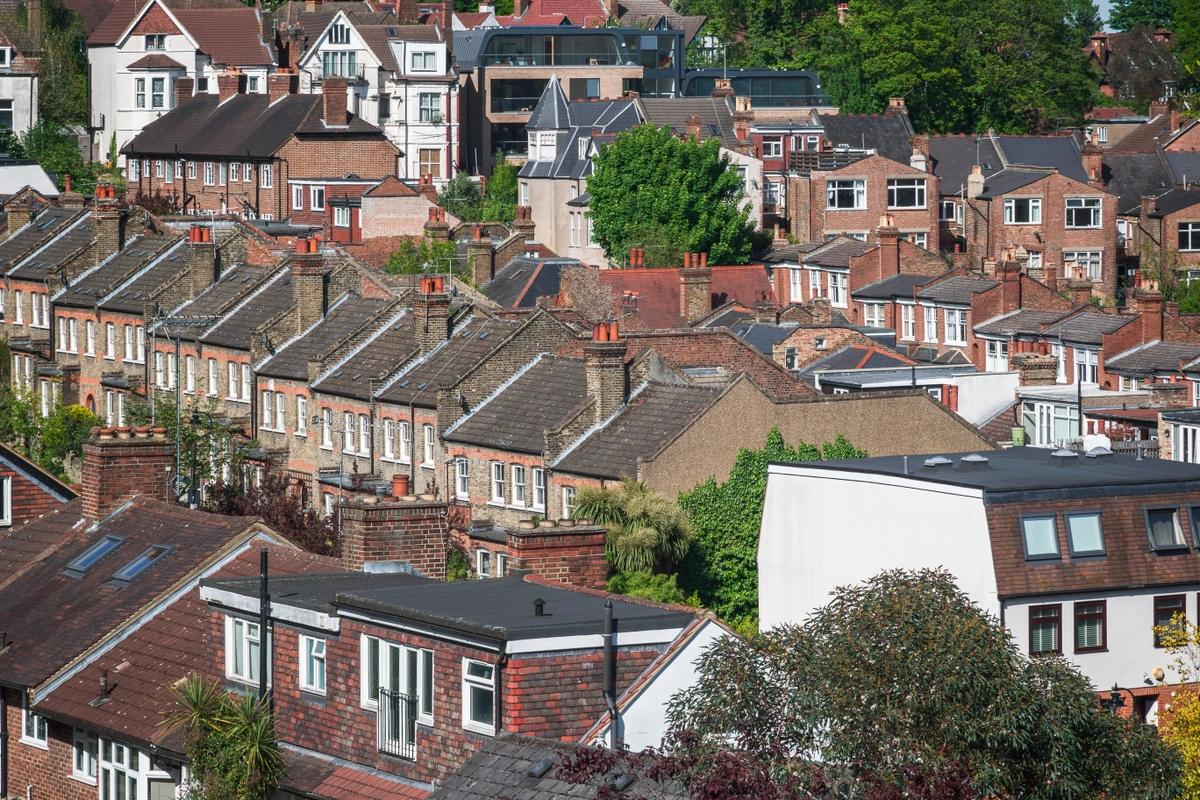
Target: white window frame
point(908, 321)
point(496, 484)
point(341, 216)
point(231, 368)
point(316, 197)
point(772, 147)
point(955, 325)
point(462, 478)
point(389, 440)
point(1093, 204)
point(929, 318)
point(301, 416)
point(33, 726)
point(85, 756)
point(385, 651)
point(833, 188)
point(1033, 212)
point(568, 502)
point(471, 681)
point(326, 428)
point(297, 198)
point(238, 641)
point(428, 445)
point(1091, 260)
point(839, 289)
point(916, 185)
point(404, 431)
point(110, 341)
point(873, 314)
point(89, 338)
point(280, 412)
point(483, 563)
point(996, 355)
point(312, 668)
point(266, 176)
point(518, 477)
point(1087, 365)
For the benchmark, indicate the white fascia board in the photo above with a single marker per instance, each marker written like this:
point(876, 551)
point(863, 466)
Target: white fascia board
point(591, 641)
point(927, 485)
point(280, 611)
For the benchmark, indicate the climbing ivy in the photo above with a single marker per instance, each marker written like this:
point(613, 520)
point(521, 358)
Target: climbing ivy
point(722, 564)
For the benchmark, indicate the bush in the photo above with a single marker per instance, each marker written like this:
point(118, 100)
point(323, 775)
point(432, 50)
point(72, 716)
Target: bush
point(458, 566)
point(63, 435)
point(649, 586)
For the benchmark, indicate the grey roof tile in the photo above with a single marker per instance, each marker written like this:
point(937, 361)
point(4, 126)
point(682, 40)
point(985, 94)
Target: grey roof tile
point(1088, 327)
point(953, 157)
point(1055, 152)
point(888, 134)
point(956, 289)
point(893, 286)
point(236, 329)
point(418, 384)
point(292, 357)
point(387, 350)
point(68, 241)
point(1132, 175)
point(1153, 357)
point(44, 226)
point(1024, 321)
point(93, 286)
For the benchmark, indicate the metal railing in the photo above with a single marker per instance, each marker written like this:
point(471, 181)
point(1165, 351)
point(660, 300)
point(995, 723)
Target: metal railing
point(396, 724)
point(1137, 447)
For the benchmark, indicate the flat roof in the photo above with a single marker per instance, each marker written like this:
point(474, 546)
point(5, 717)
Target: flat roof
point(497, 608)
point(1024, 469)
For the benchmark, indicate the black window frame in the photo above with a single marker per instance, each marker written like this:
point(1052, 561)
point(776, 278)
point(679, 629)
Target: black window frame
point(1194, 523)
point(1102, 616)
point(1182, 547)
point(919, 187)
point(1159, 601)
point(1053, 517)
point(1099, 514)
point(1192, 234)
point(1057, 607)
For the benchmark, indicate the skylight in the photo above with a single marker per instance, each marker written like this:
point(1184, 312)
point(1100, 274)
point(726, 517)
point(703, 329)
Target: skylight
point(140, 564)
point(78, 567)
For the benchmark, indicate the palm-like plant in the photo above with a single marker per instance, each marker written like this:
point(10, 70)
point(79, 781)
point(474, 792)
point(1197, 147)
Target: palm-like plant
point(646, 531)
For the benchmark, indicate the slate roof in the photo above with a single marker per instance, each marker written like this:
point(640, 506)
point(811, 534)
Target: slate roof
point(418, 383)
point(956, 289)
point(651, 419)
point(236, 329)
point(69, 242)
point(501, 771)
point(854, 357)
point(657, 290)
point(791, 253)
point(762, 336)
point(291, 358)
point(889, 134)
point(1185, 167)
point(573, 121)
point(552, 112)
point(235, 282)
point(94, 285)
point(381, 354)
point(50, 617)
point(1132, 175)
point(899, 286)
point(1175, 200)
point(143, 668)
point(1153, 357)
point(1024, 321)
point(52, 221)
point(632, 12)
point(523, 280)
point(837, 252)
point(1146, 137)
point(1056, 152)
point(716, 117)
point(133, 295)
point(1087, 327)
point(244, 126)
point(541, 396)
point(953, 157)
point(1011, 179)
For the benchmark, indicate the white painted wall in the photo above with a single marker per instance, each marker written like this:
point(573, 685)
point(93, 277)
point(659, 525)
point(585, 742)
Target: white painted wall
point(22, 90)
point(983, 395)
point(1131, 656)
point(645, 719)
point(822, 529)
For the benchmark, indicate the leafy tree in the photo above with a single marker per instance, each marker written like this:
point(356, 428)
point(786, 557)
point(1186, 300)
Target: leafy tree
point(1129, 14)
point(1083, 16)
point(62, 436)
point(230, 742)
point(1181, 727)
point(650, 586)
point(1139, 67)
point(647, 176)
point(281, 506)
point(460, 196)
point(62, 67)
point(1186, 43)
point(500, 199)
point(213, 442)
point(428, 256)
point(458, 565)
point(900, 676)
point(646, 531)
point(722, 564)
point(57, 150)
point(10, 143)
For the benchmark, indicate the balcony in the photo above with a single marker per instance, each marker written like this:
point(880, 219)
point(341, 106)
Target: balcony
point(396, 724)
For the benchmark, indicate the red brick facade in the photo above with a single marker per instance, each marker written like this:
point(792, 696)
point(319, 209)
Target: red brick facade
point(874, 172)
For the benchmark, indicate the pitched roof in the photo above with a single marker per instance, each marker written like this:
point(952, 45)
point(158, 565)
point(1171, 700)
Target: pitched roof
point(552, 111)
point(578, 121)
point(52, 221)
point(1050, 152)
point(244, 126)
point(68, 242)
point(541, 396)
point(655, 292)
point(855, 357)
point(1023, 321)
point(1185, 167)
point(122, 12)
point(291, 358)
point(1087, 326)
point(393, 344)
point(1130, 176)
point(888, 134)
point(836, 252)
point(650, 420)
point(953, 157)
point(1146, 137)
point(51, 617)
point(956, 289)
point(144, 667)
point(322, 778)
point(582, 13)
point(235, 283)
point(1175, 200)
point(1153, 357)
point(899, 286)
point(632, 12)
point(236, 328)
point(523, 280)
point(716, 117)
point(132, 296)
point(156, 61)
point(1011, 179)
point(391, 186)
point(762, 336)
point(94, 285)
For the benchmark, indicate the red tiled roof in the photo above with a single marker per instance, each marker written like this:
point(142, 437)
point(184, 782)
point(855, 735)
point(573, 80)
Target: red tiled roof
point(1114, 112)
point(228, 35)
point(121, 12)
point(391, 186)
point(143, 668)
point(326, 779)
point(472, 19)
point(376, 251)
point(656, 291)
point(585, 13)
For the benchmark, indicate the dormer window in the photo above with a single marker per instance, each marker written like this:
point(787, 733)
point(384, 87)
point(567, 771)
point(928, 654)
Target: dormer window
point(424, 61)
point(584, 143)
point(156, 41)
point(339, 34)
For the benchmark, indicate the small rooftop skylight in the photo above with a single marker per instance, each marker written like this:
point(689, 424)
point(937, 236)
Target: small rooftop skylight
point(140, 564)
point(78, 567)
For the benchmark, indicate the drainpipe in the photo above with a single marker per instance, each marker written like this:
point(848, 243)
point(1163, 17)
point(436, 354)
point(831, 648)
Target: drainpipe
point(610, 679)
point(264, 618)
point(3, 742)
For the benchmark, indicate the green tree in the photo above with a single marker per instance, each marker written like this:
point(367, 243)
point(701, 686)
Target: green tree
point(904, 673)
point(646, 531)
point(1128, 14)
point(460, 196)
point(57, 150)
point(500, 199)
point(1186, 43)
point(722, 564)
point(230, 741)
point(649, 176)
point(213, 442)
point(10, 143)
point(62, 436)
point(650, 586)
point(413, 259)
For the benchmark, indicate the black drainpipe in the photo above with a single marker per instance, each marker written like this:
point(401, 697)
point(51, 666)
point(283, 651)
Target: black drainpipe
point(264, 617)
point(610, 679)
point(3, 742)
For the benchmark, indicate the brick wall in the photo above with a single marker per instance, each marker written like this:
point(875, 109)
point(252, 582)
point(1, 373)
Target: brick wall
point(29, 499)
point(46, 771)
point(410, 531)
point(875, 170)
point(575, 556)
point(115, 469)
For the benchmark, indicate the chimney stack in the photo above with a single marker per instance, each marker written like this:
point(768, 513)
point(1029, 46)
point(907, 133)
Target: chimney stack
point(407, 12)
point(1010, 284)
point(1080, 291)
point(523, 224)
point(722, 87)
point(308, 283)
point(896, 105)
point(33, 24)
point(888, 237)
point(20, 213)
point(1050, 277)
point(281, 83)
point(431, 305)
point(742, 117)
point(202, 258)
point(410, 532)
point(1093, 161)
point(333, 98)
point(920, 153)
point(69, 197)
point(436, 227)
point(229, 83)
point(427, 190)
point(604, 358)
point(695, 294)
point(843, 12)
point(975, 181)
point(109, 218)
point(480, 257)
point(693, 126)
point(184, 89)
point(1150, 309)
point(821, 309)
point(119, 464)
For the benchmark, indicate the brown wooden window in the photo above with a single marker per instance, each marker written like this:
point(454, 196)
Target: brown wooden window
point(1091, 623)
point(1165, 609)
point(1045, 629)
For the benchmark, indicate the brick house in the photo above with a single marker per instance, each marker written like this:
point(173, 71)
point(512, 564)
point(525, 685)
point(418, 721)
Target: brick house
point(233, 152)
point(28, 491)
point(1070, 552)
point(675, 298)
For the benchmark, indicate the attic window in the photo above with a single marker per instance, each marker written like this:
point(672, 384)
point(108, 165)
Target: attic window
point(78, 567)
point(1165, 531)
point(140, 564)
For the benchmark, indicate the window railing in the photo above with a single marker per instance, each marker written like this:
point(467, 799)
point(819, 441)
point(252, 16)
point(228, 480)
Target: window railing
point(396, 724)
point(543, 59)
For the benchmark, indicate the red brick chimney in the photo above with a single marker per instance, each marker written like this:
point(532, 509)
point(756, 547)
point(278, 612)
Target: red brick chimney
point(308, 283)
point(1093, 161)
point(693, 126)
point(604, 358)
point(431, 305)
point(888, 237)
point(119, 463)
point(1009, 273)
point(429, 191)
point(566, 552)
point(412, 532)
point(1050, 277)
point(695, 290)
point(229, 83)
point(843, 12)
point(281, 83)
point(333, 98)
point(896, 105)
point(109, 217)
point(1150, 308)
point(184, 89)
point(407, 12)
point(202, 262)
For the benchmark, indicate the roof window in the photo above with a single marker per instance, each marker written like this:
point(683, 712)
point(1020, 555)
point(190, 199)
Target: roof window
point(140, 564)
point(89, 557)
point(1162, 524)
point(1039, 534)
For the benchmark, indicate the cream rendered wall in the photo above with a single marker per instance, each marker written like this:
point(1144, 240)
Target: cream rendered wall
point(22, 90)
point(822, 529)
